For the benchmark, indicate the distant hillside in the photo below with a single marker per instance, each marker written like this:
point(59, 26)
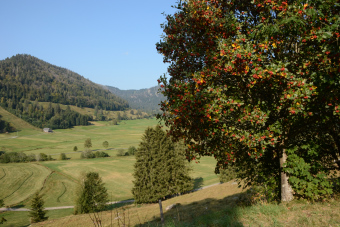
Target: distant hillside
point(143, 99)
point(25, 81)
point(27, 77)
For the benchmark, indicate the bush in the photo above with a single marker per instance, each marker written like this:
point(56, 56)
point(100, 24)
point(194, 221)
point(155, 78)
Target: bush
point(87, 154)
point(75, 148)
point(132, 150)
point(105, 144)
point(101, 154)
point(43, 157)
point(121, 152)
point(62, 156)
point(227, 174)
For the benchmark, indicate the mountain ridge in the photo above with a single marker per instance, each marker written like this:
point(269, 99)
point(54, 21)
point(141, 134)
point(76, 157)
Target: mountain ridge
point(146, 99)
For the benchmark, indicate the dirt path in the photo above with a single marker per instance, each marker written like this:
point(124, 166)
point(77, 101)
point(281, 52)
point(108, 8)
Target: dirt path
point(59, 208)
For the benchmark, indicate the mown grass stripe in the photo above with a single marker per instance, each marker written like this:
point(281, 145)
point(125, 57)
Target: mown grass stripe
point(4, 173)
point(19, 186)
point(58, 199)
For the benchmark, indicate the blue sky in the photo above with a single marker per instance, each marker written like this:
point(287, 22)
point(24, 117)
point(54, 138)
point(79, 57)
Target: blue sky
point(109, 42)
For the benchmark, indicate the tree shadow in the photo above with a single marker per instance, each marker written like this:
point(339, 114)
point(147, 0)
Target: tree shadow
point(198, 182)
point(116, 205)
point(207, 212)
point(18, 206)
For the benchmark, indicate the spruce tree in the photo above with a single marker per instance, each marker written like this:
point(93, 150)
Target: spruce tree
point(92, 194)
point(160, 168)
point(37, 212)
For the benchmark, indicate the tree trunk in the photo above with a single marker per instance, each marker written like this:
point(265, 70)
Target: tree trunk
point(161, 210)
point(286, 189)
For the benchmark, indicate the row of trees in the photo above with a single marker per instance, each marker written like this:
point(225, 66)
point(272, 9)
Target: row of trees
point(255, 84)
point(52, 116)
point(12, 157)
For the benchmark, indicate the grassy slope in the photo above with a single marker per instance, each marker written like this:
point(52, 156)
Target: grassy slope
point(216, 206)
point(20, 181)
point(19, 219)
point(18, 123)
point(115, 171)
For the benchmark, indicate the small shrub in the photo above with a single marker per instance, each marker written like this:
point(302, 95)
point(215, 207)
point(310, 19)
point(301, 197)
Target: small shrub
point(87, 154)
point(227, 174)
point(75, 148)
point(121, 152)
point(105, 144)
point(132, 150)
point(101, 154)
point(62, 156)
point(42, 157)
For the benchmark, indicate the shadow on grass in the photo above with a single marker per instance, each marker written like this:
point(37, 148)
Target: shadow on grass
point(207, 212)
point(116, 205)
point(18, 206)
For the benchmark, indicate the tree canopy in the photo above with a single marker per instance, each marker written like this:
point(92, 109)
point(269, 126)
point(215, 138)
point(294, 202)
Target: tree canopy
point(254, 82)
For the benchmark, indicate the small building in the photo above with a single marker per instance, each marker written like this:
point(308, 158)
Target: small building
point(47, 130)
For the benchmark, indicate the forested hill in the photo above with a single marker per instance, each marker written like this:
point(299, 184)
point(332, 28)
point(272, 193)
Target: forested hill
point(24, 77)
point(143, 99)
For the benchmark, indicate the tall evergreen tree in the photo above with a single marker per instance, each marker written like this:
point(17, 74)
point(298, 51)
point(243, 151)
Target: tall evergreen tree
point(37, 212)
point(92, 195)
point(160, 168)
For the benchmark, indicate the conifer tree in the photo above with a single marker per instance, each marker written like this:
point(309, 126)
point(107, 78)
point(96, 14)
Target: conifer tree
point(92, 194)
point(160, 168)
point(37, 212)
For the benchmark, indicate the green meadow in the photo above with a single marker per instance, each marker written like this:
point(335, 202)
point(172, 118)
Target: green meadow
point(57, 180)
point(127, 133)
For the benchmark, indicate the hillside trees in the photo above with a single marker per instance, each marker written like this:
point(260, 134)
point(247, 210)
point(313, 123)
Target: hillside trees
point(256, 85)
point(160, 169)
point(29, 78)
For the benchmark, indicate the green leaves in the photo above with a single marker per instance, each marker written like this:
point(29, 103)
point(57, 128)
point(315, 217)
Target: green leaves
point(246, 78)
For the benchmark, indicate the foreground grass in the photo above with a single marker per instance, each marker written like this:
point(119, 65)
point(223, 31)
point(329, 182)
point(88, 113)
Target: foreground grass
point(20, 219)
point(215, 206)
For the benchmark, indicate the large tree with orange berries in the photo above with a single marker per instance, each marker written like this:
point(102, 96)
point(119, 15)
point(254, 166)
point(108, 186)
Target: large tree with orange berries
point(254, 81)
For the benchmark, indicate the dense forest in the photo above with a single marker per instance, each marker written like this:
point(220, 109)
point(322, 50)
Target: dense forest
point(4, 125)
point(144, 99)
point(24, 77)
point(25, 81)
point(51, 116)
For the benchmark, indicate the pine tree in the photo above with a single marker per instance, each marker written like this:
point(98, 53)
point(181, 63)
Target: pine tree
point(92, 194)
point(160, 168)
point(37, 212)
